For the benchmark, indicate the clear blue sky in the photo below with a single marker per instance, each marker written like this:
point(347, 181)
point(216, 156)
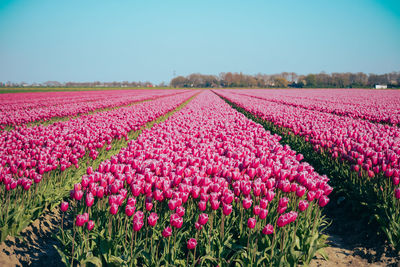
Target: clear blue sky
point(117, 40)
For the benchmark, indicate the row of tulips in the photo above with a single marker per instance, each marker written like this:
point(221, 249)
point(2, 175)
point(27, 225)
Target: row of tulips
point(206, 187)
point(32, 107)
point(372, 105)
point(367, 155)
point(45, 159)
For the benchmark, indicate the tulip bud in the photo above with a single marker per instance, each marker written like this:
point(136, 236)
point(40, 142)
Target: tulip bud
point(268, 229)
point(251, 223)
point(167, 232)
point(64, 206)
point(192, 243)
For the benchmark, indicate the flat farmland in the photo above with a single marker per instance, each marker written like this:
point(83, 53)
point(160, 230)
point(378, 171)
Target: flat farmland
point(200, 177)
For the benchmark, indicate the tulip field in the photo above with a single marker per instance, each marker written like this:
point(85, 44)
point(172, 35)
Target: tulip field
point(198, 177)
point(31, 107)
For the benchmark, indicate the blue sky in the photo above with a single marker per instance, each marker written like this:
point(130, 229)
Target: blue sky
point(117, 40)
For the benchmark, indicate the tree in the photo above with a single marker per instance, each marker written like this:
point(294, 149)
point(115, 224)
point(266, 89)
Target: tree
point(281, 82)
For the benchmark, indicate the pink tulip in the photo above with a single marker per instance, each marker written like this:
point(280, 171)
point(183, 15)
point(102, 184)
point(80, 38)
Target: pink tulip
point(203, 218)
point(251, 223)
point(167, 232)
point(192, 243)
point(303, 205)
point(129, 210)
point(137, 225)
point(80, 220)
point(89, 200)
point(247, 203)
point(323, 200)
point(180, 211)
point(114, 208)
point(263, 214)
point(90, 225)
point(268, 229)
point(152, 219)
point(64, 206)
point(397, 193)
point(227, 209)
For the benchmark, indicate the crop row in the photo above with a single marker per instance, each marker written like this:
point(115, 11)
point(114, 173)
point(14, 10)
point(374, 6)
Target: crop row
point(372, 105)
point(372, 152)
point(40, 158)
point(207, 187)
point(31, 107)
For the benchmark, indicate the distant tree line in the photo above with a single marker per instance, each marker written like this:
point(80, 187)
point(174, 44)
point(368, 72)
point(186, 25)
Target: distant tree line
point(288, 79)
point(233, 79)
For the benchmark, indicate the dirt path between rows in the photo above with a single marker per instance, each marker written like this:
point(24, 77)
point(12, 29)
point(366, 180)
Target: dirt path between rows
point(35, 246)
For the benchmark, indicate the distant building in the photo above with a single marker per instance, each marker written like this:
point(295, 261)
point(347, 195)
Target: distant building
point(380, 86)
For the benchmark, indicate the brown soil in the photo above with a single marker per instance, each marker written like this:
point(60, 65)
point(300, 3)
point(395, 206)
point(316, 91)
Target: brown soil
point(35, 246)
point(354, 240)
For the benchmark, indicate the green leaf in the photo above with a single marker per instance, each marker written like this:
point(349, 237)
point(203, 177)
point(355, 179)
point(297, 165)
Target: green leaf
point(93, 260)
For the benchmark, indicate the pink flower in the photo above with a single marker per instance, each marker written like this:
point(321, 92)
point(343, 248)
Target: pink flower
point(323, 200)
point(397, 193)
point(129, 210)
point(300, 191)
point(80, 220)
point(89, 200)
point(137, 225)
point(256, 210)
point(152, 219)
point(180, 211)
point(114, 208)
point(283, 202)
point(167, 232)
point(227, 209)
point(149, 206)
point(251, 223)
point(263, 214)
point(268, 229)
point(198, 226)
point(90, 225)
point(303, 205)
point(247, 203)
point(203, 218)
point(192, 243)
point(263, 203)
point(78, 195)
point(202, 205)
point(64, 206)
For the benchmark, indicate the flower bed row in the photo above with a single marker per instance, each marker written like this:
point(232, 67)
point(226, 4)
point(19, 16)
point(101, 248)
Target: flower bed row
point(39, 159)
point(372, 105)
point(207, 187)
point(370, 151)
point(31, 107)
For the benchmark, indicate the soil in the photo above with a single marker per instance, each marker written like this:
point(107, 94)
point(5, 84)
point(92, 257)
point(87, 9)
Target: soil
point(352, 242)
point(35, 246)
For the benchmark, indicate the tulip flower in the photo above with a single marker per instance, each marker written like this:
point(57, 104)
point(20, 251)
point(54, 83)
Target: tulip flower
point(90, 225)
point(268, 229)
point(192, 243)
point(64, 206)
point(152, 219)
point(167, 232)
point(323, 201)
point(303, 205)
point(80, 220)
point(397, 193)
point(114, 208)
point(203, 218)
point(251, 223)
